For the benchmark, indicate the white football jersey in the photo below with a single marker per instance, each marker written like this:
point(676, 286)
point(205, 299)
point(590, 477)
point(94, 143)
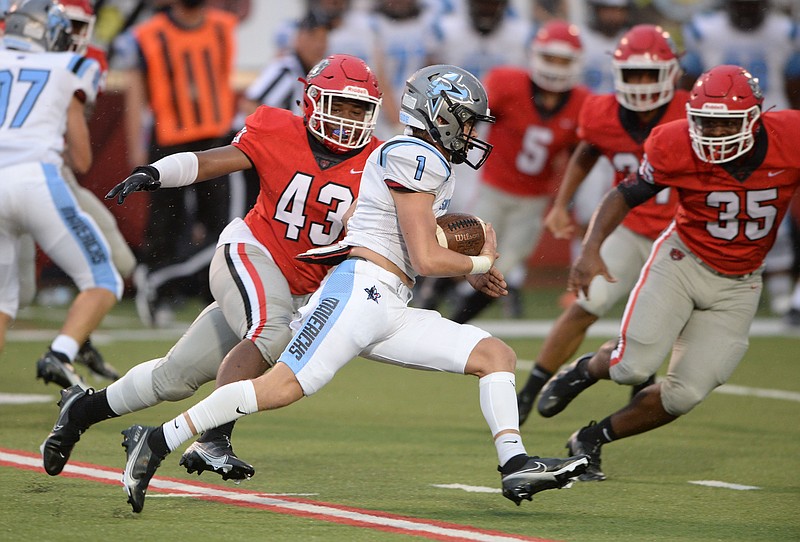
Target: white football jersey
point(463, 46)
point(406, 163)
point(598, 54)
point(710, 40)
point(36, 93)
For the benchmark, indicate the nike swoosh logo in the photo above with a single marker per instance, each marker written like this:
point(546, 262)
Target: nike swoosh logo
point(356, 172)
point(175, 422)
point(57, 428)
point(238, 409)
point(773, 173)
point(538, 467)
point(510, 442)
point(128, 479)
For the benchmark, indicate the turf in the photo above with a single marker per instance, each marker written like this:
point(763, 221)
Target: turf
point(379, 438)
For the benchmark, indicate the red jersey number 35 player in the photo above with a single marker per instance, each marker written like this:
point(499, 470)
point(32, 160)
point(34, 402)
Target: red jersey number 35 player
point(735, 170)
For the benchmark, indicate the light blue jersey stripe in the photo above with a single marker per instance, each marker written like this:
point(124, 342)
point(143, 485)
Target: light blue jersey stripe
point(334, 297)
point(85, 233)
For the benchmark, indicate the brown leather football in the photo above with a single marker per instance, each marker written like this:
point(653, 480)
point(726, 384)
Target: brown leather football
point(460, 232)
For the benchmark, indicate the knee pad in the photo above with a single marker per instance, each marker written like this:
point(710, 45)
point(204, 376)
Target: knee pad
point(678, 399)
point(273, 341)
point(626, 374)
point(174, 381)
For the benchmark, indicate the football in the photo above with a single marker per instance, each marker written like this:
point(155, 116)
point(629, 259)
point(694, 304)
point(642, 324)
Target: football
point(460, 232)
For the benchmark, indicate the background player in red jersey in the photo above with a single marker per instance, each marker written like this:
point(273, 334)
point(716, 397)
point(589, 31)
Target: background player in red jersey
point(310, 171)
point(537, 119)
point(615, 126)
point(735, 170)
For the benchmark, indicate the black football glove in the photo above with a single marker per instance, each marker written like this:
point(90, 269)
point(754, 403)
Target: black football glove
point(143, 179)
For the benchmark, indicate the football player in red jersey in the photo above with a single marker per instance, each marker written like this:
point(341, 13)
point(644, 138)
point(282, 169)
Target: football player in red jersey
point(735, 170)
point(645, 74)
point(310, 170)
point(537, 119)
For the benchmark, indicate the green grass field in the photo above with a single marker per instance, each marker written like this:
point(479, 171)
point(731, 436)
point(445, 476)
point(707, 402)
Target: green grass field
point(380, 438)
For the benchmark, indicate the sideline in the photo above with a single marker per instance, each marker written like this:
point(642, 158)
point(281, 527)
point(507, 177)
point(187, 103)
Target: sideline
point(328, 512)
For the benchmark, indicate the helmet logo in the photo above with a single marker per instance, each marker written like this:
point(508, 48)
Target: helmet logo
point(451, 85)
point(755, 87)
point(316, 70)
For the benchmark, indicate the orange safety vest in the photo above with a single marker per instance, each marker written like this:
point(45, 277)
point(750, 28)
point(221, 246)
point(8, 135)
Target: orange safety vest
point(188, 74)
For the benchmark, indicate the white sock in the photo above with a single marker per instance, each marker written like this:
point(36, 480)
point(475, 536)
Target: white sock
point(64, 344)
point(134, 391)
point(499, 407)
point(226, 404)
point(176, 432)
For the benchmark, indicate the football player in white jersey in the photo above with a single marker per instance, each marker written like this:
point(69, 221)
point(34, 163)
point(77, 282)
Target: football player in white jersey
point(361, 309)
point(82, 18)
point(42, 126)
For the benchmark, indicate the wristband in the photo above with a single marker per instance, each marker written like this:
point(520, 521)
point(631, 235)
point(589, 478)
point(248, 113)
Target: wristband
point(480, 265)
point(177, 170)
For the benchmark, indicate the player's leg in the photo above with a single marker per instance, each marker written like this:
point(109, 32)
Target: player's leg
point(9, 282)
point(74, 242)
point(340, 320)
point(425, 340)
point(121, 253)
point(26, 259)
point(257, 303)
point(193, 361)
point(624, 253)
point(658, 309)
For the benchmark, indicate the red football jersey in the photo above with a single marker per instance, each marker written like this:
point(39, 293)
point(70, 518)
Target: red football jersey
point(602, 124)
point(524, 140)
point(299, 205)
point(730, 221)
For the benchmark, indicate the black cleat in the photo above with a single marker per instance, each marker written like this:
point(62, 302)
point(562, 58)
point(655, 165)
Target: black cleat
point(577, 445)
point(58, 445)
point(91, 358)
point(564, 387)
point(217, 456)
point(539, 474)
point(53, 367)
point(525, 402)
point(141, 465)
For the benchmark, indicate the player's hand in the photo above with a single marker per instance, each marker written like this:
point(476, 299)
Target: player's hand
point(143, 179)
point(587, 266)
point(559, 222)
point(489, 248)
point(491, 283)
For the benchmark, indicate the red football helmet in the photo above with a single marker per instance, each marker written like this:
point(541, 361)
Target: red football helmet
point(81, 15)
point(645, 48)
point(723, 108)
point(556, 57)
point(336, 77)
